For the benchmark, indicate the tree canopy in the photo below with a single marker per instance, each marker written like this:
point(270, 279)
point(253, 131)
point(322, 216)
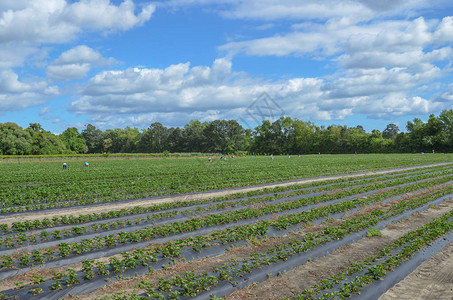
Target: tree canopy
point(283, 136)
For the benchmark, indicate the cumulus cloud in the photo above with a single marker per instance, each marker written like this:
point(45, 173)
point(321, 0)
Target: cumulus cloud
point(101, 14)
point(76, 63)
point(27, 25)
point(395, 105)
point(381, 63)
point(342, 36)
point(181, 88)
point(180, 92)
point(59, 21)
point(17, 95)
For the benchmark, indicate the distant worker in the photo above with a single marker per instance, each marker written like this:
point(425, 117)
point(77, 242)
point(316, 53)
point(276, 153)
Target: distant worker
point(433, 151)
point(272, 157)
point(65, 166)
point(221, 156)
point(86, 164)
point(210, 159)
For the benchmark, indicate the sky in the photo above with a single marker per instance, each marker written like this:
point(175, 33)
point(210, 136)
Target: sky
point(114, 64)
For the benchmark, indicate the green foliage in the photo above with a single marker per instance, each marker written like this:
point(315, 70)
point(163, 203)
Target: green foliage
point(373, 232)
point(74, 141)
point(283, 136)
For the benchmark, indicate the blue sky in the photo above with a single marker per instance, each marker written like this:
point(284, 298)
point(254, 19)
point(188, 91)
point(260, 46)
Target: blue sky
point(131, 63)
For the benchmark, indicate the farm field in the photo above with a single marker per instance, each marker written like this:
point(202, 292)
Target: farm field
point(309, 227)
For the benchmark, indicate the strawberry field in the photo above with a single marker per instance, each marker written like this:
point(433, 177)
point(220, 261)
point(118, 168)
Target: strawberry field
point(244, 227)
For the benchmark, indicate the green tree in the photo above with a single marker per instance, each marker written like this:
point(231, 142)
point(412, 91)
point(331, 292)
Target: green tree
point(357, 140)
point(390, 131)
point(446, 118)
point(223, 136)
point(262, 139)
point(416, 133)
point(44, 142)
point(175, 141)
point(94, 139)
point(14, 140)
point(154, 139)
point(74, 141)
point(193, 136)
point(303, 137)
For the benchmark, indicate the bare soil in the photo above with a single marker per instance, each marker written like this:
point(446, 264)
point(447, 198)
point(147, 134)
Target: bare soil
point(433, 279)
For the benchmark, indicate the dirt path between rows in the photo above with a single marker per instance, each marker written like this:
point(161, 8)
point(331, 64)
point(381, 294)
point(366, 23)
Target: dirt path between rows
point(433, 279)
point(302, 277)
point(37, 215)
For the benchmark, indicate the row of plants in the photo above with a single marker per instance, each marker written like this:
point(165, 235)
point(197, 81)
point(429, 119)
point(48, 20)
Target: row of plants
point(283, 222)
point(379, 263)
point(111, 181)
point(21, 238)
point(183, 286)
point(145, 257)
point(21, 226)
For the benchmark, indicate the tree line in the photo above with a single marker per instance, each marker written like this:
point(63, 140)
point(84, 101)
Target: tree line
point(283, 136)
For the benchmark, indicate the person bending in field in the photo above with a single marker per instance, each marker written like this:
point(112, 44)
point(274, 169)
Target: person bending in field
point(65, 166)
point(86, 164)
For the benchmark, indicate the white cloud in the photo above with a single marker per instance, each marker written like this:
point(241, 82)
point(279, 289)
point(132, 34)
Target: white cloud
point(395, 105)
point(78, 55)
point(57, 21)
point(444, 32)
point(358, 10)
point(68, 72)
point(340, 35)
point(27, 25)
point(180, 93)
point(382, 63)
point(377, 82)
point(101, 14)
point(76, 63)
point(446, 97)
point(180, 88)
point(273, 9)
point(17, 95)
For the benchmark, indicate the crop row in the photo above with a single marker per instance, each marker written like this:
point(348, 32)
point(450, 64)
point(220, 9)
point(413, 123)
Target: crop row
point(212, 220)
point(146, 257)
point(88, 245)
point(19, 239)
point(79, 192)
point(278, 192)
point(192, 284)
point(406, 246)
point(47, 223)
